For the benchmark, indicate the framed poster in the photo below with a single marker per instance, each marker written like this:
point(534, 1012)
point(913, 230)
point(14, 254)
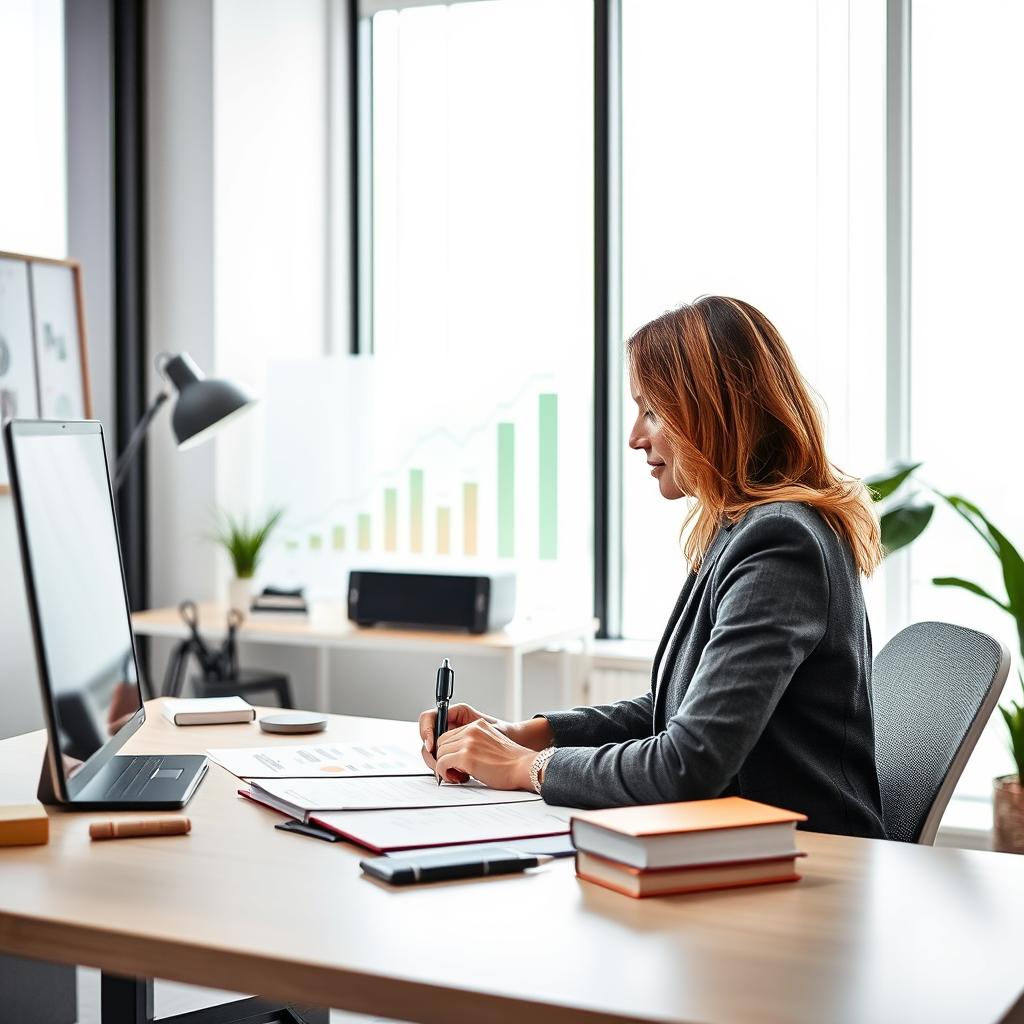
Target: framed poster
point(44, 372)
point(18, 392)
point(59, 341)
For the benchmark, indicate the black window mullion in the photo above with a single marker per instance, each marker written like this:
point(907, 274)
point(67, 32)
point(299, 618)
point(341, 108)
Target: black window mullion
point(607, 318)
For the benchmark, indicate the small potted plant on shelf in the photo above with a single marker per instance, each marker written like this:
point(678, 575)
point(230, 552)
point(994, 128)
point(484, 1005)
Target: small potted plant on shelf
point(1008, 813)
point(903, 520)
point(244, 542)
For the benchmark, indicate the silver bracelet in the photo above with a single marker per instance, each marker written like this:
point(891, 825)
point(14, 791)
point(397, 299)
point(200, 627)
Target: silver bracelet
point(539, 763)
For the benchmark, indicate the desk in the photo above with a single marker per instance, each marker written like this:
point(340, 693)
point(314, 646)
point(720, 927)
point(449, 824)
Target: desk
point(875, 932)
point(328, 628)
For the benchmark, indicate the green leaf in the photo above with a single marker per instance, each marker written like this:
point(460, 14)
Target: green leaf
point(1014, 718)
point(955, 581)
point(881, 485)
point(904, 524)
point(1009, 556)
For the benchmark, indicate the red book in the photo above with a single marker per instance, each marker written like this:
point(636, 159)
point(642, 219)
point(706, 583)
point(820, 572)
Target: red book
point(695, 878)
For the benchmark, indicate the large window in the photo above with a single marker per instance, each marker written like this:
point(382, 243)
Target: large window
point(753, 166)
point(482, 293)
point(33, 171)
point(967, 362)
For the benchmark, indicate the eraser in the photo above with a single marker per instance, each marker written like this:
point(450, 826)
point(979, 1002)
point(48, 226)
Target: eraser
point(23, 825)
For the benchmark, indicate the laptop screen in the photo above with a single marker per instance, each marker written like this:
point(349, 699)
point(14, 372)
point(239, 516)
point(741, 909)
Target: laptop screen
point(73, 564)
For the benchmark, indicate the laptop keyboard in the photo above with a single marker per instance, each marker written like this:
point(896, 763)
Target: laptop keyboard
point(133, 779)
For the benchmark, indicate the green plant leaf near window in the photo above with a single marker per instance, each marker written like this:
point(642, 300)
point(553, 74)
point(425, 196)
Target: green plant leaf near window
point(955, 581)
point(884, 484)
point(244, 540)
point(903, 524)
point(902, 520)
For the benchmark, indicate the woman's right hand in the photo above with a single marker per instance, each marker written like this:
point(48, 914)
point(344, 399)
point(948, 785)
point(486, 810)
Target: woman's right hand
point(458, 715)
point(534, 733)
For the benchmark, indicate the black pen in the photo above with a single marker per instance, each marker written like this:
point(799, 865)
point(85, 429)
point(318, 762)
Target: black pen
point(445, 686)
point(440, 867)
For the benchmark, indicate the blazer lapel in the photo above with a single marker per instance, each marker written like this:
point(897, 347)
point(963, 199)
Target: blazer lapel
point(677, 610)
point(668, 649)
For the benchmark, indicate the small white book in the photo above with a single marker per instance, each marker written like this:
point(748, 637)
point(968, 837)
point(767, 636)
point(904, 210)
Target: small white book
point(208, 710)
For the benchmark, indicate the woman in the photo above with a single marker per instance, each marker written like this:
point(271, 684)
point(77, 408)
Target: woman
point(760, 683)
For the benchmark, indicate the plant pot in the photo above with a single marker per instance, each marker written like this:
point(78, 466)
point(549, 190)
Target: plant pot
point(1008, 815)
point(240, 594)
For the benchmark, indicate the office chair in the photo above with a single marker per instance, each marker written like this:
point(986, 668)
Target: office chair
point(933, 688)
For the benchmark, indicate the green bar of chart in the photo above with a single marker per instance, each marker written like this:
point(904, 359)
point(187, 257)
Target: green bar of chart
point(416, 510)
point(469, 518)
point(364, 531)
point(390, 518)
point(339, 538)
point(547, 464)
point(506, 490)
point(444, 531)
point(316, 542)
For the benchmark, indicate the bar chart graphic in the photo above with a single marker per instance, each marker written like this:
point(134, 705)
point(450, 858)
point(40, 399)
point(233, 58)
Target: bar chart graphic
point(409, 503)
point(487, 490)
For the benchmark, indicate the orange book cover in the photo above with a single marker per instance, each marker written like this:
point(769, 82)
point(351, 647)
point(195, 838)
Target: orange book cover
point(688, 816)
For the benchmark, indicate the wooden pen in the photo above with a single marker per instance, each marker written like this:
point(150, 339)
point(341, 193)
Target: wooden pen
point(130, 828)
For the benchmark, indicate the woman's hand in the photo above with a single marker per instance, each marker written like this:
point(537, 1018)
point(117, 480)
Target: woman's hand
point(534, 734)
point(482, 750)
point(458, 715)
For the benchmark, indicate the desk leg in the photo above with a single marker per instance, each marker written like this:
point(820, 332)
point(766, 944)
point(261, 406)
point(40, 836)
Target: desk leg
point(322, 679)
point(125, 1000)
point(514, 685)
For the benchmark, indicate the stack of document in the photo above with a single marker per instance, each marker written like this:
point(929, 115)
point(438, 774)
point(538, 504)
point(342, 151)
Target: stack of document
point(299, 798)
point(384, 798)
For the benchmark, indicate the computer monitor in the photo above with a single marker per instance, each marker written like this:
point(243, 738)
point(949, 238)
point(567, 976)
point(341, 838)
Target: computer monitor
point(78, 605)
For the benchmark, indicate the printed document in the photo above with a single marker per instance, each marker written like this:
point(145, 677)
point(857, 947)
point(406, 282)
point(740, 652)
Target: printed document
point(320, 761)
point(304, 795)
point(385, 831)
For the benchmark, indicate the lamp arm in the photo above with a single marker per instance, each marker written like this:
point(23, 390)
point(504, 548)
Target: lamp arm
point(125, 459)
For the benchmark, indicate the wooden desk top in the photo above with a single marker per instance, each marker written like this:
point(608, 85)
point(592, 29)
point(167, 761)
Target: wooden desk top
point(874, 932)
point(329, 625)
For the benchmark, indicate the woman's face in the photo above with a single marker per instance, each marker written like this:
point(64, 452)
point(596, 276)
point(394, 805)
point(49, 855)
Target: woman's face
point(647, 436)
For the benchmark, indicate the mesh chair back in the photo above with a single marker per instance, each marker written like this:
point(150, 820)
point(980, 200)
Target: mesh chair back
point(933, 688)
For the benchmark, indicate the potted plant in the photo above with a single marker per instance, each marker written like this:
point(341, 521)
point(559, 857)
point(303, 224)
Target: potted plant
point(903, 520)
point(244, 543)
point(1008, 812)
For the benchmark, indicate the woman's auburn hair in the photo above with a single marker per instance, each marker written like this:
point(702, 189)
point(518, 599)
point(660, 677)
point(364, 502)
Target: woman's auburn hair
point(741, 423)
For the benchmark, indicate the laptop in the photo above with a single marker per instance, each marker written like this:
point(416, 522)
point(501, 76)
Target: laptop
point(84, 644)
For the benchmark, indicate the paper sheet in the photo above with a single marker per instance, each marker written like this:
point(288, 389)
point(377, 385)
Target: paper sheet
point(320, 761)
point(382, 793)
point(384, 831)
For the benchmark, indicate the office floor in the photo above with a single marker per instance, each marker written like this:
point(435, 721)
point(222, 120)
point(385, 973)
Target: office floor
point(171, 998)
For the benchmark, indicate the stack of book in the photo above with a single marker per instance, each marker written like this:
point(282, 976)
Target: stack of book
point(665, 849)
point(274, 601)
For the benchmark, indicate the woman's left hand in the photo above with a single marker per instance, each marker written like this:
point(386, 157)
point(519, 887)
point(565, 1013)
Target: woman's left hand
point(482, 750)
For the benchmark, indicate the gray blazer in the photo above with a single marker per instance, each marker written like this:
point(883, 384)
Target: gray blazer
point(759, 689)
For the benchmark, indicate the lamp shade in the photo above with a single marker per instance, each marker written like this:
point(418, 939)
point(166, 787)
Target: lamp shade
point(203, 406)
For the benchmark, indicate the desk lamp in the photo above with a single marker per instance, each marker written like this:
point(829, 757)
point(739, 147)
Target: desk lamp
point(202, 408)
